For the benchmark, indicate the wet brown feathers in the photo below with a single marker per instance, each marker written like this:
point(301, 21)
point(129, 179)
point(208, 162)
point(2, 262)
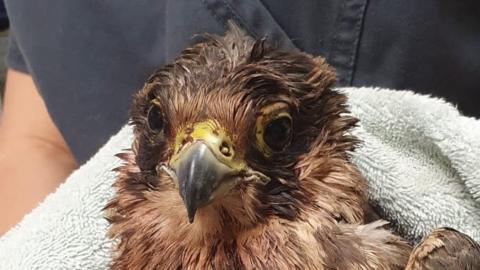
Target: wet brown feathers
point(445, 248)
point(308, 214)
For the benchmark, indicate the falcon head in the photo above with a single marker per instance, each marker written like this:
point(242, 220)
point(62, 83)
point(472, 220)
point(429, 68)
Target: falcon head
point(234, 133)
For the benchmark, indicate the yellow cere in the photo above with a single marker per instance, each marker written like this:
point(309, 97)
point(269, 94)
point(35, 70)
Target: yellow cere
point(214, 136)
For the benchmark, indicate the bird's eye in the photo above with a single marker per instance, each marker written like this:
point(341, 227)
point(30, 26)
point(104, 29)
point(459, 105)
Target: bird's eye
point(278, 133)
point(273, 128)
point(155, 118)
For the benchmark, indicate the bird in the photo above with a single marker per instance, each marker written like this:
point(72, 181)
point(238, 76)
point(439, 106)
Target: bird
point(445, 248)
point(241, 160)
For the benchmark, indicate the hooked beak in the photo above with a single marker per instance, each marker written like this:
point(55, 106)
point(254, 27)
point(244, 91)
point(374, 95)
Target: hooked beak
point(204, 169)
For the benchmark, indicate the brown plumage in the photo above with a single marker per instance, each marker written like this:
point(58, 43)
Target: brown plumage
point(445, 248)
point(241, 161)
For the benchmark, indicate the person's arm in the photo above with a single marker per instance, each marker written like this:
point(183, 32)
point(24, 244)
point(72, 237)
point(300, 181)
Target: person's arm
point(34, 157)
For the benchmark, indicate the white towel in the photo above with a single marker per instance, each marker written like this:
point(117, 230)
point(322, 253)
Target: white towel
point(420, 157)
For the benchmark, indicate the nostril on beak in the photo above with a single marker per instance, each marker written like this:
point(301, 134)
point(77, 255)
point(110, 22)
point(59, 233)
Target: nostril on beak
point(225, 149)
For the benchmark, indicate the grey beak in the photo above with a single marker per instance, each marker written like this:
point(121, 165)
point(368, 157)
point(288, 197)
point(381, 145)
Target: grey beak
point(198, 173)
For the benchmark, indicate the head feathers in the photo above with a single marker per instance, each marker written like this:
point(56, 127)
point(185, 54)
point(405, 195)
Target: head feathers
point(230, 78)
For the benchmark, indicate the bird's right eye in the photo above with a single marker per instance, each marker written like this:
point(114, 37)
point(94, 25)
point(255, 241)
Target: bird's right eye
point(155, 118)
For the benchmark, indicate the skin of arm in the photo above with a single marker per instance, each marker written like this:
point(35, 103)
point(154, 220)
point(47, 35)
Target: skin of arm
point(34, 157)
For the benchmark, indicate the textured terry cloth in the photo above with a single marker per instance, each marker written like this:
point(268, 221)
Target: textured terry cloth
point(421, 159)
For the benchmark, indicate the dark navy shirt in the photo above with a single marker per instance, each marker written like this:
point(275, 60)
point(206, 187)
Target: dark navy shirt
point(88, 57)
point(3, 17)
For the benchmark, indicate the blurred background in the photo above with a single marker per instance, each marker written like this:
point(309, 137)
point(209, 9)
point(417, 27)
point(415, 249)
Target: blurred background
point(3, 46)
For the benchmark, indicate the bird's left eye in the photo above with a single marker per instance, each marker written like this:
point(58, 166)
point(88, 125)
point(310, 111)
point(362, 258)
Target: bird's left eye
point(274, 128)
point(277, 133)
point(155, 118)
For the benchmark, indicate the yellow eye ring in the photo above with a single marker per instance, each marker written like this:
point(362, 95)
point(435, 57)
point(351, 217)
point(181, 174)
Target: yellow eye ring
point(273, 128)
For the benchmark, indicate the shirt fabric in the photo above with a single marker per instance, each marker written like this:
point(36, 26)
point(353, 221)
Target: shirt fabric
point(87, 57)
